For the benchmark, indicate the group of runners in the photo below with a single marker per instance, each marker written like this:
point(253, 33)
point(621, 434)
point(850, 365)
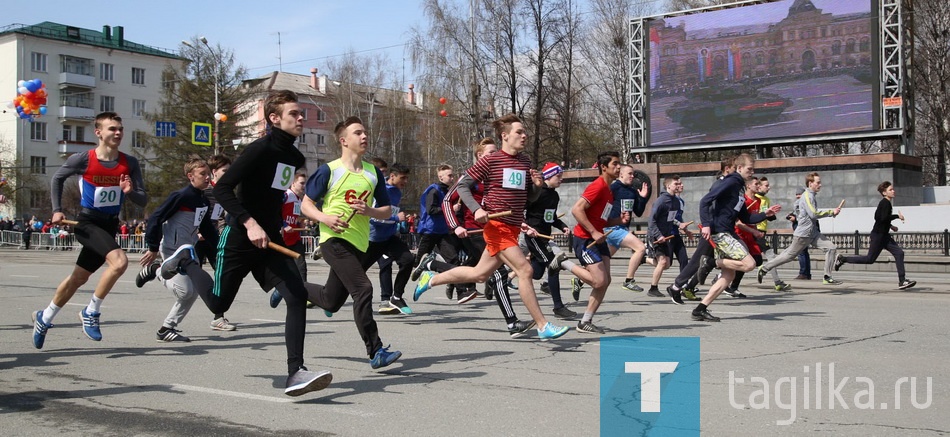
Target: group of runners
point(242, 217)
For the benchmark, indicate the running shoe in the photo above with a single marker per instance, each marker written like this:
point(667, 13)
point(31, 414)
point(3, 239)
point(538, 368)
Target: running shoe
point(222, 324)
point(39, 329)
point(704, 316)
point(631, 284)
point(383, 357)
point(576, 285)
point(423, 266)
point(564, 313)
point(690, 294)
point(171, 335)
point(555, 263)
point(839, 261)
point(400, 305)
point(423, 285)
point(275, 298)
point(386, 309)
point(675, 295)
point(545, 288)
point(170, 267)
point(782, 286)
point(760, 273)
point(552, 331)
point(521, 328)
point(304, 381)
point(589, 328)
point(466, 295)
point(147, 274)
point(830, 281)
point(905, 284)
point(654, 292)
point(90, 324)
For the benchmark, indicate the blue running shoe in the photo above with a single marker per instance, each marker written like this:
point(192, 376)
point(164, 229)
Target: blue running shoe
point(551, 331)
point(327, 313)
point(275, 298)
point(90, 324)
point(384, 357)
point(423, 285)
point(39, 329)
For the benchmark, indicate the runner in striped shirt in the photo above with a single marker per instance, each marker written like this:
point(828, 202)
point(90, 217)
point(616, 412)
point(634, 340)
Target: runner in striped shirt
point(505, 176)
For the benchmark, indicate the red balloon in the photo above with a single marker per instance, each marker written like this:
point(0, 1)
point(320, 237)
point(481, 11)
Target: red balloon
point(444, 113)
point(442, 100)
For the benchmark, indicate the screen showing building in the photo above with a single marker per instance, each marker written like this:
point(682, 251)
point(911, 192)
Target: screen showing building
point(785, 69)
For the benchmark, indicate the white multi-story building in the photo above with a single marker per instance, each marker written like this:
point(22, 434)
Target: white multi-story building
point(85, 72)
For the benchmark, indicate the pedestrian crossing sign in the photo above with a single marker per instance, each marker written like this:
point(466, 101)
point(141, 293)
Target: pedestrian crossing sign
point(201, 134)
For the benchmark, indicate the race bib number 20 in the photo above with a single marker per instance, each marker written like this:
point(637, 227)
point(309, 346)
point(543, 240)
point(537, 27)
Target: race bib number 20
point(107, 196)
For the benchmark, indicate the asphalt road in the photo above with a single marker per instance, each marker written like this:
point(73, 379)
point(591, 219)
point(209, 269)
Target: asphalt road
point(460, 373)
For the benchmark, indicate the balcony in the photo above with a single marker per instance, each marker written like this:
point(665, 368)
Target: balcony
point(67, 148)
point(75, 80)
point(76, 113)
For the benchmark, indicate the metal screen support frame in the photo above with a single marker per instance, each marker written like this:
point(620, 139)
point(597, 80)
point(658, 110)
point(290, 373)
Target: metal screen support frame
point(636, 89)
point(892, 55)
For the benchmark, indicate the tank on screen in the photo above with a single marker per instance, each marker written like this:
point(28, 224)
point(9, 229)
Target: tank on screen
point(714, 107)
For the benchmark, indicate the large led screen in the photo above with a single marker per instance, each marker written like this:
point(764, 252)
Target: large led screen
point(785, 69)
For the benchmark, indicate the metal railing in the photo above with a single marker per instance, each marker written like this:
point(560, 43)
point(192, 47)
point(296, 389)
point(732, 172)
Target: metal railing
point(913, 243)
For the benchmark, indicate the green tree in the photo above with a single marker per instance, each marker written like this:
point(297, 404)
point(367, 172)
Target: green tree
point(188, 95)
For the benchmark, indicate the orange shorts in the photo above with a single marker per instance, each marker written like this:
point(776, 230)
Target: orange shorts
point(500, 236)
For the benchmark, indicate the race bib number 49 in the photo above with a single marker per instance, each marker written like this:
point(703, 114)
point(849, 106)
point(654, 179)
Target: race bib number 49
point(514, 179)
point(283, 177)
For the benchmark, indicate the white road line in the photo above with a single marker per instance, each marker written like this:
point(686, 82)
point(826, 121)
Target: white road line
point(774, 124)
point(852, 113)
point(231, 393)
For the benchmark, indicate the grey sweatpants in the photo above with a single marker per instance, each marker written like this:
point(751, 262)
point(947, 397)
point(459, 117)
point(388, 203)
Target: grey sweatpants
point(798, 245)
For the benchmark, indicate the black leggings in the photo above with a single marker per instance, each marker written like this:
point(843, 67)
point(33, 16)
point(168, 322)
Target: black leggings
point(880, 242)
point(688, 272)
point(397, 251)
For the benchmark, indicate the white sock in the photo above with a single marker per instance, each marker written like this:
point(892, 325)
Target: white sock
point(567, 265)
point(50, 312)
point(94, 305)
point(588, 317)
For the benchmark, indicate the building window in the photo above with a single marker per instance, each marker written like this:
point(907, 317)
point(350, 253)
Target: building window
point(81, 133)
point(303, 112)
point(321, 139)
point(302, 140)
point(38, 61)
point(107, 72)
point(138, 139)
point(67, 132)
point(39, 199)
point(138, 108)
point(321, 116)
point(38, 164)
point(38, 131)
point(138, 76)
point(106, 104)
point(72, 64)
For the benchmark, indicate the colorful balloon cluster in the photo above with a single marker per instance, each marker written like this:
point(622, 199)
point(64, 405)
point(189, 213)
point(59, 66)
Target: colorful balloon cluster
point(30, 101)
point(221, 117)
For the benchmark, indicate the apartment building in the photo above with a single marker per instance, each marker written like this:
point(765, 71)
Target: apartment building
point(86, 72)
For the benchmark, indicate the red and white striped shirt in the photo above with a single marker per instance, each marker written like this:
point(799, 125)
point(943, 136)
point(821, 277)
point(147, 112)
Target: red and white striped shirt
point(506, 179)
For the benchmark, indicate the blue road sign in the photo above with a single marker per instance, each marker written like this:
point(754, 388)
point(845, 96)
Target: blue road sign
point(201, 134)
point(165, 129)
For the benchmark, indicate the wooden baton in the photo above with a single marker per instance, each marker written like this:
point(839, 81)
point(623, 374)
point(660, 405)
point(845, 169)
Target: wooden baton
point(283, 250)
point(69, 222)
point(594, 243)
point(499, 215)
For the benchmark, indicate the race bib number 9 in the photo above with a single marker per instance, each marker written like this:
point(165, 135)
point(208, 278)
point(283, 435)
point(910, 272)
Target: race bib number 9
point(107, 196)
point(549, 215)
point(514, 179)
point(200, 215)
point(626, 205)
point(283, 177)
point(606, 214)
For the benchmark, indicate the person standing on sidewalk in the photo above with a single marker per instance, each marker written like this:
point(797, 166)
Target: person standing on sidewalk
point(881, 238)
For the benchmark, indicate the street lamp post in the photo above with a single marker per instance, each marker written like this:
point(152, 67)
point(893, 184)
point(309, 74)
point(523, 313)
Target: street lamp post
point(217, 112)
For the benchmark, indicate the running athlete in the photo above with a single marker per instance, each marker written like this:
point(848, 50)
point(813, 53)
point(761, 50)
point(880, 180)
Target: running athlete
point(108, 176)
point(505, 174)
point(173, 229)
point(341, 195)
point(264, 172)
point(290, 230)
